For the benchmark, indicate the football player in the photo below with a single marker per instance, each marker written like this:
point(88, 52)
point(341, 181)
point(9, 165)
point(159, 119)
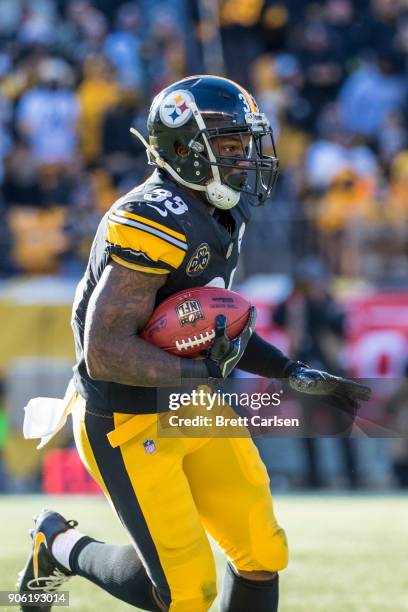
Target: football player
point(214, 156)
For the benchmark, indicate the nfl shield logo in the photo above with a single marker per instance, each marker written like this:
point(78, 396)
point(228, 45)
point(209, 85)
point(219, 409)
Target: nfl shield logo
point(149, 446)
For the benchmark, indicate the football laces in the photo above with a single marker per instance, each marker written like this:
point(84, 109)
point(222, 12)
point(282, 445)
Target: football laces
point(195, 340)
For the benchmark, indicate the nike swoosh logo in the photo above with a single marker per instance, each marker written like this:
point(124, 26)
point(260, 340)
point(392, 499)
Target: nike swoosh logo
point(40, 539)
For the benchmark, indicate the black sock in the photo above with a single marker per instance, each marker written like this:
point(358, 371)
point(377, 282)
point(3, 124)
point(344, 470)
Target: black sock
point(241, 595)
point(116, 569)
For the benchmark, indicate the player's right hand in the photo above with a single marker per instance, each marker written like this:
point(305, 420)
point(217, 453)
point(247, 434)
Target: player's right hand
point(344, 394)
point(224, 354)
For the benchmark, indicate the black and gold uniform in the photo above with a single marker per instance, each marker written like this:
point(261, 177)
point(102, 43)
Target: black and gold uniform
point(162, 229)
point(169, 492)
point(165, 499)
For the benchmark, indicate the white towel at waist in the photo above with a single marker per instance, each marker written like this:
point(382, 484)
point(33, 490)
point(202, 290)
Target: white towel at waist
point(45, 416)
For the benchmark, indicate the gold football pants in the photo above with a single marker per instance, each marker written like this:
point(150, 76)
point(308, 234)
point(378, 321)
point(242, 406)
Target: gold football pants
point(168, 492)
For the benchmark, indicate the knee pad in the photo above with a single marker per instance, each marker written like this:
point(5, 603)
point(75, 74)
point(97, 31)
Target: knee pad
point(279, 554)
point(199, 602)
point(269, 554)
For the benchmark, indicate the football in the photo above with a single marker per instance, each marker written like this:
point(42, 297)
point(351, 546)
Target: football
point(183, 324)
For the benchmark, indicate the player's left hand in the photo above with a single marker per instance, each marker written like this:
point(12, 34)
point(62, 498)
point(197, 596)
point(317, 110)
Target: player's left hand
point(224, 354)
point(317, 382)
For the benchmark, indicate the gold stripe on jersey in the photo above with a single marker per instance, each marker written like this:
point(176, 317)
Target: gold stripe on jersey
point(141, 241)
point(138, 267)
point(141, 225)
point(159, 226)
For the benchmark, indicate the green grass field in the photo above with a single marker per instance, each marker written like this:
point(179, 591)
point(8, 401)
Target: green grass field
point(348, 553)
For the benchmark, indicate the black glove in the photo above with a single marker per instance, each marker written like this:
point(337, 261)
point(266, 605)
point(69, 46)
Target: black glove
point(224, 353)
point(316, 382)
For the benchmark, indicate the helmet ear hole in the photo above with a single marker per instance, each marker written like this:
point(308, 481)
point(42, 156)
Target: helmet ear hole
point(180, 149)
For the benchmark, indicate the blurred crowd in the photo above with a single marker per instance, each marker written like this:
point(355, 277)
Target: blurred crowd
point(331, 75)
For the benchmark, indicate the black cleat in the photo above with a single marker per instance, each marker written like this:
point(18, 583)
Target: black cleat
point(42, 572)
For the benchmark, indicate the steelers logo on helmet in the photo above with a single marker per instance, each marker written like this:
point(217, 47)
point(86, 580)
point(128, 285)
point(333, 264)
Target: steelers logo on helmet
point(175, 108)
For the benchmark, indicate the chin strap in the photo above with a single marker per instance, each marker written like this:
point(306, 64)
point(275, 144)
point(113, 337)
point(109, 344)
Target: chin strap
point(221, 196)
point(218, 194)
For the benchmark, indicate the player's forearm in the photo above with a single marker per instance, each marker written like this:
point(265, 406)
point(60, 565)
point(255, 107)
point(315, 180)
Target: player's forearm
point(263, 359)
point(138, 363)
point(131, 361)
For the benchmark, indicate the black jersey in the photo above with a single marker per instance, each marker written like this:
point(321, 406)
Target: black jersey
point(161, 228)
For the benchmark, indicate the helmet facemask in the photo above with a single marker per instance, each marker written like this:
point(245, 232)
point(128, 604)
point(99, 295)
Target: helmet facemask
point(251, 165)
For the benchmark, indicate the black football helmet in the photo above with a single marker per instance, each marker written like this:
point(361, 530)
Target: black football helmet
point(187, 123)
